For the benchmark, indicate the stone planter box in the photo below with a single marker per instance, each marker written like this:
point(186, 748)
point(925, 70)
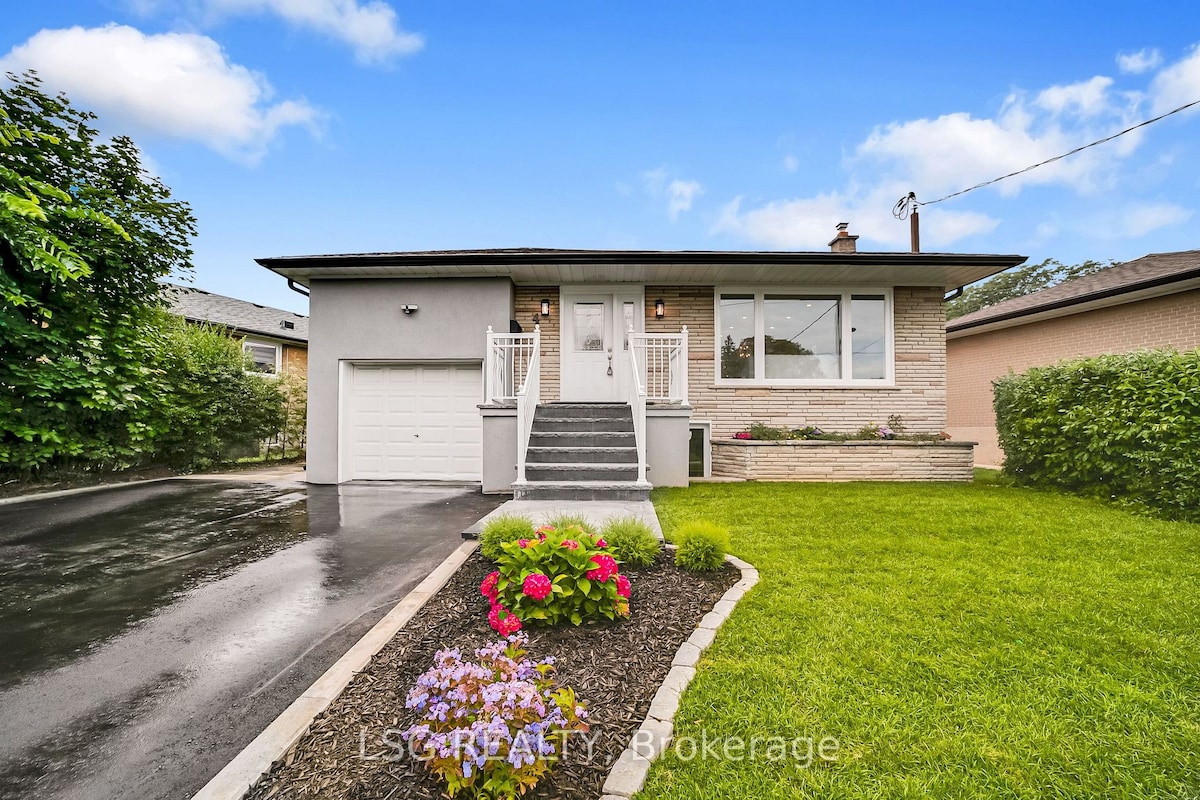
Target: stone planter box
point(817, 460)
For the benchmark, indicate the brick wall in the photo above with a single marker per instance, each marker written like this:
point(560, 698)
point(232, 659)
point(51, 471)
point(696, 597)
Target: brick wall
point(527, 301)
point(918, 396)
point(295, 361)
point(842, 461)
point(973, 362)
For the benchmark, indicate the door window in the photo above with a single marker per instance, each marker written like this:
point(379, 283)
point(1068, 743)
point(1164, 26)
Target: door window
point(589, 327)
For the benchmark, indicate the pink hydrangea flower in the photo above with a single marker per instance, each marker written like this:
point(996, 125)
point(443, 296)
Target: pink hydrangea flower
point(570, 544)
point(605, 568)
point(523, 543)
point(488, 587)
point(537, 586)
point(506, 625)
point(601, 544)
point(622, 586)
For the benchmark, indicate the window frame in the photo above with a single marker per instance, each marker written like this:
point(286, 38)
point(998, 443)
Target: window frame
point(247, 343)
point(845, 295)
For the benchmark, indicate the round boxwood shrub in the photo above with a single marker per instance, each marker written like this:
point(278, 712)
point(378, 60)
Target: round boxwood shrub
point(702, 546)
point(500, 530)
point(631, 541)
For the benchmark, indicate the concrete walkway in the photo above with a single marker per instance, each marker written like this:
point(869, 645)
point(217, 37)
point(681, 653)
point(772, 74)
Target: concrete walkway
point(595, 511)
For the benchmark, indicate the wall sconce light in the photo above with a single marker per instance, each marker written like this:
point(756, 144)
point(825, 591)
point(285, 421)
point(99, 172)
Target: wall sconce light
point(546, 307)
point(660, 308)
point(409, 308)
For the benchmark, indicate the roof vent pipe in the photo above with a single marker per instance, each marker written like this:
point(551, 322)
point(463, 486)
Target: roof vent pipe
point(843, 242)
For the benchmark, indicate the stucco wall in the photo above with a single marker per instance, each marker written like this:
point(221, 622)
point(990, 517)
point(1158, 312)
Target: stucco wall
point(361, 320)
point(974, 361)
point(918, 396)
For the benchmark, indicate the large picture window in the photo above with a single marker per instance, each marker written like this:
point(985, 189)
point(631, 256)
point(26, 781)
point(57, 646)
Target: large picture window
point(804, 337)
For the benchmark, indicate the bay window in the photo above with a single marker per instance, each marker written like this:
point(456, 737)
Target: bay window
point(801, 336)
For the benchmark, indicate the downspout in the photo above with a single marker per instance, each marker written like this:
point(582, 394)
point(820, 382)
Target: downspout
point(301, 290)
point(957, 293)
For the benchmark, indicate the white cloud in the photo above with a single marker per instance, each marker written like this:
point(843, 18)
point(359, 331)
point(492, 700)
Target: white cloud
point(1085, 98)
point(175, 84)
point(1139, 62)
point(1142, 219)
point(1178, 83)
point(371, 27)
point(679, 194)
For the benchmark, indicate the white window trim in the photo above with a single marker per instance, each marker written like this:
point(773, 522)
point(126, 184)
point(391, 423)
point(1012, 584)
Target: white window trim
point(278, 355)
point(845, 292)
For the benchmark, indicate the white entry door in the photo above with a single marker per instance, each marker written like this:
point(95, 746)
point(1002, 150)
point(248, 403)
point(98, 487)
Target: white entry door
point(595, 348)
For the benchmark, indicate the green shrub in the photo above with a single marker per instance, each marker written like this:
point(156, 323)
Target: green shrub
point(572, 521)
point(702, 546)
point(560, 575)
point(631, 541)
point(501, 530)
point(1121, 427)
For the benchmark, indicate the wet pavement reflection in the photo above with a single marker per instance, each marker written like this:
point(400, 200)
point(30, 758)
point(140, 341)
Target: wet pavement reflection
point(148, 633)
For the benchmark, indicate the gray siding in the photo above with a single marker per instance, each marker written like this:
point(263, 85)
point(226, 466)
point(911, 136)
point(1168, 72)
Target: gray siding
point(361, 320)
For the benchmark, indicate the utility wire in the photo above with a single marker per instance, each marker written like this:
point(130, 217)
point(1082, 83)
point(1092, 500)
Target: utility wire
point(902, 207)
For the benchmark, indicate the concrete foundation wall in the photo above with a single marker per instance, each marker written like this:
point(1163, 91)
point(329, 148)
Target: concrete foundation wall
point(361, 320)
point(499, 449)
point(842, 461)
point(667, 435)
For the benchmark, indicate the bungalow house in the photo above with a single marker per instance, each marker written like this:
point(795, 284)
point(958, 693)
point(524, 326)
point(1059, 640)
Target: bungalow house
point(595, 373)
point(1153, 301)
point(275, 339)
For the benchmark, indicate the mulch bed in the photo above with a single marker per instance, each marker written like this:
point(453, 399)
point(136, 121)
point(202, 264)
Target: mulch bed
point(615, 668)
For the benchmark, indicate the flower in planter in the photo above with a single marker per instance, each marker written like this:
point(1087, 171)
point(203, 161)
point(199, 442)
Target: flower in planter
point(564, 577)
point(742, 435)
point(886, 433)
point(494, 725)
point(537, 586)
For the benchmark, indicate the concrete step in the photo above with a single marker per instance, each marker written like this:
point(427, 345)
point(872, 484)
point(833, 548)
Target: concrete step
point(583, 424)
point(580, 472)
point(598, 454)
point(581, 490)
point(582, 439)
point(552, 410)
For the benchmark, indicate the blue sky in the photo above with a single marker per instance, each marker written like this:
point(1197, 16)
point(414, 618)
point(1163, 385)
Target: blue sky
point(324, 126)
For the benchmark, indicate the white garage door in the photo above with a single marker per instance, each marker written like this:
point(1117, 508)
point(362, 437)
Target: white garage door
point(414, 422)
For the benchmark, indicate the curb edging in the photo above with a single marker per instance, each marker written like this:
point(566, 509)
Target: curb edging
point(247, 767)
point(653, 736)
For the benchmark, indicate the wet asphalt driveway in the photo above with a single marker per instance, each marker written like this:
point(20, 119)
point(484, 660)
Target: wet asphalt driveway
point(148, 633)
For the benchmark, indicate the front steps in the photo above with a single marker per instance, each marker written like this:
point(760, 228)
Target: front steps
point(581, 451)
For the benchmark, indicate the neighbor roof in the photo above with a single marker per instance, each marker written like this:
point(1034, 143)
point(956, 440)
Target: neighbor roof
point(1148, 272)
point(197, 305)
point(673, 267)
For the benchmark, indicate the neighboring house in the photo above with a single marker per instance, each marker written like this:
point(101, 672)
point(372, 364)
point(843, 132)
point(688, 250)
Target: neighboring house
point(275, 339)
point(426, 365)
point(1151, 302)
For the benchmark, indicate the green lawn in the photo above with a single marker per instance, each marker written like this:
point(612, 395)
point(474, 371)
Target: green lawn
point(957, 641)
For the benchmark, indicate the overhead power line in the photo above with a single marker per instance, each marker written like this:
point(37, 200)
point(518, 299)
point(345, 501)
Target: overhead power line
point(904, 202)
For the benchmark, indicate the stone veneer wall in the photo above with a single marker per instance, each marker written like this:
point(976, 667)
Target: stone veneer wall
point(842, 461)
point(527, 301)
point(918, 396)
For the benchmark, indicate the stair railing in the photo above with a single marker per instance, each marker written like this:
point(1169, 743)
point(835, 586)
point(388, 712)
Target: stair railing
point(507, 367)
point(527, 400)
point(636, 397)
point(661, 365)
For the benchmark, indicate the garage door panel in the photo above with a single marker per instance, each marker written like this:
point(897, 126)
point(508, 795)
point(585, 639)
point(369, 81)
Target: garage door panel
point(410, 421)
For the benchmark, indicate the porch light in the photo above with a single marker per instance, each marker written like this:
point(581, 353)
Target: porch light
point(545, 307)
point(660, 308)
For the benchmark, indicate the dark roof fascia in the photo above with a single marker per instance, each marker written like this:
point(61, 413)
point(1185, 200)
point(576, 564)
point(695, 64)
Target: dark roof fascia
point(1104, 294)
point(247, 331)
point(484, 258)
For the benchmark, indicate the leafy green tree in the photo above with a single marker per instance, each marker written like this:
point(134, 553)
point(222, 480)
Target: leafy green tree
point(1018, 282)
point(85, 236)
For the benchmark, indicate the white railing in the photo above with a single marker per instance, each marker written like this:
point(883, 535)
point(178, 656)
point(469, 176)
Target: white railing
point(527, 401)
point(636, 396)
point(509, 357)
point(661, 365)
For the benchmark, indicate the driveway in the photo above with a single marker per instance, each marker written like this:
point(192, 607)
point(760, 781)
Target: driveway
point(149, 632)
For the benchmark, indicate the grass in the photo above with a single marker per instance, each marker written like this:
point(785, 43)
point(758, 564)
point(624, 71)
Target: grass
point(958, 641)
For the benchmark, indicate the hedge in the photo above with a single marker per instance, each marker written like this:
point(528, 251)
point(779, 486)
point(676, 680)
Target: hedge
point(1126, 427)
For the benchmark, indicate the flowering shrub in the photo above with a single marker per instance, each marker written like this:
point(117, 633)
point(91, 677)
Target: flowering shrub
point(494, 726)
point(560, 575)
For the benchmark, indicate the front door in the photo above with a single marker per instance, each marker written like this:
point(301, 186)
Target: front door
point(595, 347)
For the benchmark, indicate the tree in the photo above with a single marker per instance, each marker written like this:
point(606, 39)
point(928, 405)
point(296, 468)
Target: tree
point(1018, 282)
point(86, 234)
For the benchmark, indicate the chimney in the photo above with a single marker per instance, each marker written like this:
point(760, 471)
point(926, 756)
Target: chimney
point(843, 242)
